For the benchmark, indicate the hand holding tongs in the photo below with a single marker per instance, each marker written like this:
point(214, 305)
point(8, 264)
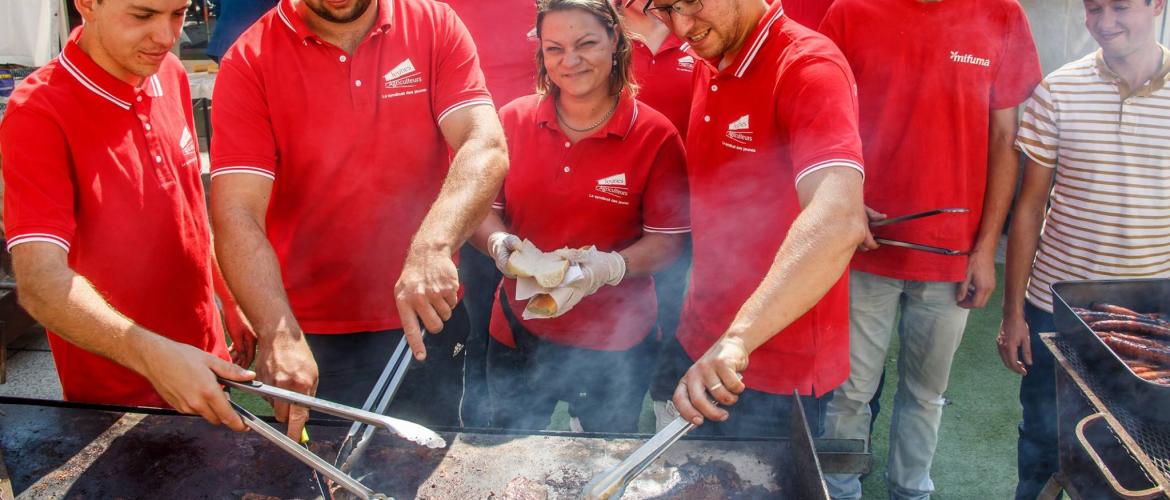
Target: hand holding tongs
point(408, 430)
point(918, 246)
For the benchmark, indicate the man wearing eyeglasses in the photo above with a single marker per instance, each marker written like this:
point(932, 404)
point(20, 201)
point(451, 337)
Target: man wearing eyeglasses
point(938, 82)
point(776, 180)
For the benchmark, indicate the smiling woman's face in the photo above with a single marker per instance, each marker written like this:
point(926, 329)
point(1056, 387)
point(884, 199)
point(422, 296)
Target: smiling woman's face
point(578, 52)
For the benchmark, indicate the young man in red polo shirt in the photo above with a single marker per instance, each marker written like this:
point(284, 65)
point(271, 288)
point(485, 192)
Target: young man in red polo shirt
point(105, 216)
point(775, 175)
point(332, 181)
point(938, 82)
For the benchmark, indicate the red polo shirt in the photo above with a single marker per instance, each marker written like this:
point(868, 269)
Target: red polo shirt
point(783, 109)
point(505, 36)
point(608, 190)
point(664, 79)
point(352, 143)
point(928, 76)
point(110, 173)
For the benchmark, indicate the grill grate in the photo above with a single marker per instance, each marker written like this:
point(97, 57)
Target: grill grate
point(1152, 437)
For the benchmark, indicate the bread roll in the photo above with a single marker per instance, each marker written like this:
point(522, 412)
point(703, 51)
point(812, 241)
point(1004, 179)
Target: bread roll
point(529, 262)
point(542, 304)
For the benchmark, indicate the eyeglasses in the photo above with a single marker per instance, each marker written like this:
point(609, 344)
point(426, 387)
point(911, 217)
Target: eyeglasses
point(681, 7)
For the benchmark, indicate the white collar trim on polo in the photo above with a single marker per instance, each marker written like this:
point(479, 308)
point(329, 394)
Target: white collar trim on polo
point(152, 86)
point(758, 43)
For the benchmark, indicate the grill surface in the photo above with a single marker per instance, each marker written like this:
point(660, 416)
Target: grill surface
point(1152, 437)
point(73, 451)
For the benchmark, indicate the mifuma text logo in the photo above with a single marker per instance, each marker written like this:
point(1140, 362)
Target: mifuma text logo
point(969, 59)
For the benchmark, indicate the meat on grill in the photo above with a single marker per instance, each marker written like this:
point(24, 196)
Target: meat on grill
point(1142, 341)
point(1131, 326)
point(1114, 309)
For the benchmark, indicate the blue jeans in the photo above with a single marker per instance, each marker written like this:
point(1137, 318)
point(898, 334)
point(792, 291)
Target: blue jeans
point(930, 329)
point(1036, 451)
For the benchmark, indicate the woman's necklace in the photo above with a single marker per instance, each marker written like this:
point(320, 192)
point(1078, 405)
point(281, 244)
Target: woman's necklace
point(596, 124)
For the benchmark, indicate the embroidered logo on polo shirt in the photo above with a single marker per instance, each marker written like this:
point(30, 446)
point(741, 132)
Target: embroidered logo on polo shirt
point(612, 187)
point(739, 134)
point(187, 144)
point(686, 64)
point(403, 80)
point(969, 59)
point(403, 76)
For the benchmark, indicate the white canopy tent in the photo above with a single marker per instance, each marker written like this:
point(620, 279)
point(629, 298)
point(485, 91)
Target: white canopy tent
point(31, 31)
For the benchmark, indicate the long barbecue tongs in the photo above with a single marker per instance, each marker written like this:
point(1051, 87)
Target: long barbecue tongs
point(377, 401)
point(918, 246)
point(408, 430)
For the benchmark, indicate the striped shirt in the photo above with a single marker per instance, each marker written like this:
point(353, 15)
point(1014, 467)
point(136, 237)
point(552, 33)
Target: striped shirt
point(1109, 213)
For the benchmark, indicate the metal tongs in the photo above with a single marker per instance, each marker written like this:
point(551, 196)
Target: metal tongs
point(918, 246)
point(612, 483)
point(408, 430)
point(353, 446)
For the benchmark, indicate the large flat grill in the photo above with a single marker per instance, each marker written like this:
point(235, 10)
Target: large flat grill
point(61, 450)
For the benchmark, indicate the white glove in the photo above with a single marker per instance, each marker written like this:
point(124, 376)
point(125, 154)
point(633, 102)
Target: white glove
point(598, 268)
point(500, 247)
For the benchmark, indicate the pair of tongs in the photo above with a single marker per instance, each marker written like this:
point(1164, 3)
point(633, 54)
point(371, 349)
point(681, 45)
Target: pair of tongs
point(408, 430)
point(353, 446)
point(918, 246)
point(612, 483)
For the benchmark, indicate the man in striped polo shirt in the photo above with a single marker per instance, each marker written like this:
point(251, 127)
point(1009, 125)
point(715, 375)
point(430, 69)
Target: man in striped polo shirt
point(1100, 127)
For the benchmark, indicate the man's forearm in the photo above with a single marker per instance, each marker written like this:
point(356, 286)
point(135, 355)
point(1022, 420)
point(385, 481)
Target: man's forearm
point(68, 304)
point(252, 272)
point(474, 180)
point(813, 257)
point(1024, 237)
point(1003, 168)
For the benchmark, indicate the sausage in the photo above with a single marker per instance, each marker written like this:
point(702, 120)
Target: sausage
point(1126, 349)
point(1094, 316)
point(1151, 342)
point(1156, 376)
point(1110, 325)
point(1115, 309)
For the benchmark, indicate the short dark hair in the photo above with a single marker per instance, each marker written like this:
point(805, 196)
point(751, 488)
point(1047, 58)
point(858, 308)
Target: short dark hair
point(621, 78)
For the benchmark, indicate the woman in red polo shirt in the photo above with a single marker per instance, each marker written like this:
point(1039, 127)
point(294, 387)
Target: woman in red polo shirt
point(590, 167)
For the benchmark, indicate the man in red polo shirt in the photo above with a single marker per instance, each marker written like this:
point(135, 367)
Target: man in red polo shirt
point(938, 83)
point(105, 216)
point(332, 181)
point(775, 175)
